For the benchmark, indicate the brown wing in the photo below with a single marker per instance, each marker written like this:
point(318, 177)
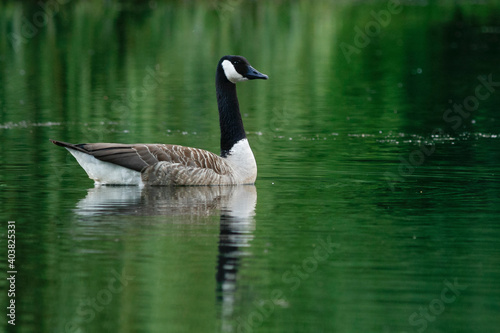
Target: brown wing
point(140, 156)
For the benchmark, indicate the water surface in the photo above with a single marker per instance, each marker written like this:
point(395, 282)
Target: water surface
point(375, 209)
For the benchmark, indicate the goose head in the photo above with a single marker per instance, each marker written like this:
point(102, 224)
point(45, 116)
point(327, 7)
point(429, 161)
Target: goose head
point(237, 69)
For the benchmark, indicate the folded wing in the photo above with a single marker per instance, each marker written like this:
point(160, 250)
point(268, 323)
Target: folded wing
point(138, 157)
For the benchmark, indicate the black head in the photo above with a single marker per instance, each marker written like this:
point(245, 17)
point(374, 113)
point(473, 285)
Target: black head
point(237, 68)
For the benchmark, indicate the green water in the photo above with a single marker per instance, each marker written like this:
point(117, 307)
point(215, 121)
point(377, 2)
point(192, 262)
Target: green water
point(377, 202)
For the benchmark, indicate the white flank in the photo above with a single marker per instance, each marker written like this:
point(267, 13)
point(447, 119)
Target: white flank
point(241, 158)
point(231, 73)
point(106, 173)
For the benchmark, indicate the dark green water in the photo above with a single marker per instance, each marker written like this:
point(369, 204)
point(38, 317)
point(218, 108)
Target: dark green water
point(377, 202)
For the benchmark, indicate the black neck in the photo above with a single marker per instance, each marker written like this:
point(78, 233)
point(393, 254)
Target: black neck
point(231, 125)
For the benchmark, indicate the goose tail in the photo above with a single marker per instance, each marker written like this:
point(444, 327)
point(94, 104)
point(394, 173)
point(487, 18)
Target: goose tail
point(78, 147)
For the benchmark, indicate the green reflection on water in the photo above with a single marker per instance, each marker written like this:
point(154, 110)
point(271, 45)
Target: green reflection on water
point(326, 132)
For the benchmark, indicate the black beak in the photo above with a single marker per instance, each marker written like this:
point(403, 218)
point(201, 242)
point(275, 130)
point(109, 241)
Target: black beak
point(253, 74)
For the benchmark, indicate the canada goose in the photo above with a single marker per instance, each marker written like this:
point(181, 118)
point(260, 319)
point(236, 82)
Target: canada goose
point(162, 164)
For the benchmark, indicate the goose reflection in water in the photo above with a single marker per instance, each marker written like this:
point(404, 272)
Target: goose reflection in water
point(234, 204)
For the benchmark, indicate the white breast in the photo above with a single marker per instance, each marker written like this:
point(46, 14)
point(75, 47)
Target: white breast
point(242, 161)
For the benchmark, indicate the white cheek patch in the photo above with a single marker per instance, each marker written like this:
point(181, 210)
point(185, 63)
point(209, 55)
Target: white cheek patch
point(231, 73)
